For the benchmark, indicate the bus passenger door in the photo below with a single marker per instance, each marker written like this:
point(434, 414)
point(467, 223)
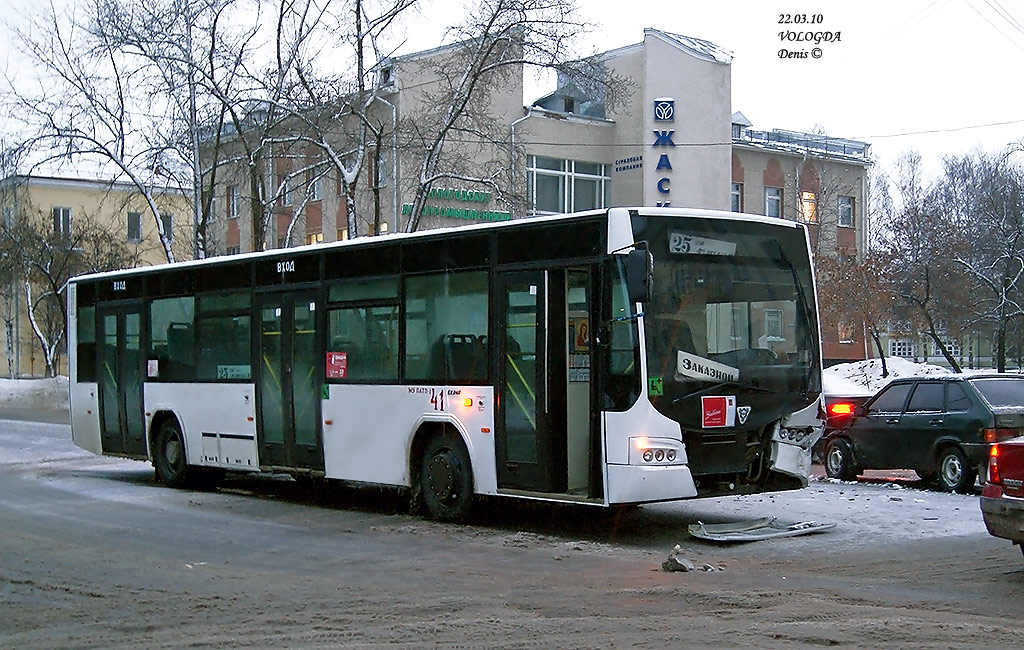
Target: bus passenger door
point(289, 381)
point(120, 362)
point(522, 427)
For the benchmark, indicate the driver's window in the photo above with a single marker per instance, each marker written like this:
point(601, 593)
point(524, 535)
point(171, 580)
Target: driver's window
point(890, 400)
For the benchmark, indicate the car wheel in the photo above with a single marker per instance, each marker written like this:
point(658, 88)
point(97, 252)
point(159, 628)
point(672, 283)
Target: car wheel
point(169, 455)
point(446, 479)
point(955, 474)
point(839, 461)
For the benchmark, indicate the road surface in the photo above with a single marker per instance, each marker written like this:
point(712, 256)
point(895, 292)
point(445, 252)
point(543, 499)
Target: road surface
point(95, 554)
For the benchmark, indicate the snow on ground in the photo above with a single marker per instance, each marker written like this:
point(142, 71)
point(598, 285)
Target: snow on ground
point(49, 394)
point(865, 377)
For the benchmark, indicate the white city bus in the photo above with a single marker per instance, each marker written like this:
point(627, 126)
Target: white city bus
point(621, 356)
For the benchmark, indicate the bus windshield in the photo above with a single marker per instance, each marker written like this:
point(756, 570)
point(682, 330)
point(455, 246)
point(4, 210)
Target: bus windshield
point(732, 311)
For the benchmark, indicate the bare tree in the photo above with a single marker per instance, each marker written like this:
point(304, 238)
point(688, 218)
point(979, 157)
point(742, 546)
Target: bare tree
point(493, 44)
point(859, 292)
point(193, 66)
point(982, 197)
point(41, 262)
point(927, 278)
point(86, 103)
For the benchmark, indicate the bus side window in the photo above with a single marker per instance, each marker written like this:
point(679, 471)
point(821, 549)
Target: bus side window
point(460, 358)
point(368, 337)
point(171, 338)
point(86, 344)
point(444, 305)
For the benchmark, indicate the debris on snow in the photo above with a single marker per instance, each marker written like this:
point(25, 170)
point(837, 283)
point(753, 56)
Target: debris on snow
point(677, 563)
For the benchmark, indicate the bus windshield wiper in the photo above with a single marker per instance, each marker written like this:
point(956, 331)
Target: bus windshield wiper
point(723, 384)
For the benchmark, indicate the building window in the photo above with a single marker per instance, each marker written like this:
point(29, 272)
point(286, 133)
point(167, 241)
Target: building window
point(902, 348)
point(808, 206)
point(234, 202)
point(555, 185)
point(233, 250)
point(314, 189)
point(342, 234)
point(285, 188)
point(737, 197)
point(952, 346)
point(846, 211)
point(314, 237)
point(62, 221)
point(167, 220)
point(847, 332)
point(381, 165)
point(135, 226)
point(773, 201)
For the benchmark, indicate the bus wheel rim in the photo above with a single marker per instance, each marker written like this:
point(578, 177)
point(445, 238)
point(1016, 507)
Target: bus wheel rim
point(441, 476)
point(172, 452)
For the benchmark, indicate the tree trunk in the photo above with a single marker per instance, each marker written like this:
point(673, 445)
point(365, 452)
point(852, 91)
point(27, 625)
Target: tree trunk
point(878, 346)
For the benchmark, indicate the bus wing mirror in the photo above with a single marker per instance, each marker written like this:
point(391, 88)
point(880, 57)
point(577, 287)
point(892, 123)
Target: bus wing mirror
point(639, 275)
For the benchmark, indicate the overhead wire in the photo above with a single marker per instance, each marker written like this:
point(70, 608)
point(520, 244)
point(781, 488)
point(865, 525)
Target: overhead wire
point(994, 26)
point(913, 19)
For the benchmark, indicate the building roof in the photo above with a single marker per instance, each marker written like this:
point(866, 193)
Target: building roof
point(741, 119)
point(799, 143)
point(67, 182)
point(696, 46)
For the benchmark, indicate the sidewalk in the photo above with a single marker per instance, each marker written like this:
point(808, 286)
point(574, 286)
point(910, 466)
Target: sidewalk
point(51, 416)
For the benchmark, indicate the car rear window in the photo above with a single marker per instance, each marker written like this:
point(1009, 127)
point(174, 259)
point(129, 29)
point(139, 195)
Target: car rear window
point(1001, 392)
point(957, 398)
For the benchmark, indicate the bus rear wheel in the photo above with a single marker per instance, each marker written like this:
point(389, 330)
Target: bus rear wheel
point(446, 478)
point(169, 456)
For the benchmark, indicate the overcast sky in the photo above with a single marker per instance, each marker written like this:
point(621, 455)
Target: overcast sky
point(933, 75)
point(930, 69)
point(901, 67)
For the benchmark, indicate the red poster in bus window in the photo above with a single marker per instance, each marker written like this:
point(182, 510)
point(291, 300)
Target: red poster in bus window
point(337, 365)
point(718, 411)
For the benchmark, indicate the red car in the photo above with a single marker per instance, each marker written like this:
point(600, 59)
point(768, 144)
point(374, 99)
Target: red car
point(1002, 500)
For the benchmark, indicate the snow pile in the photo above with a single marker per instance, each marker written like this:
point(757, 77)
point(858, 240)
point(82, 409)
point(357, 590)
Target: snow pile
point(49, 394)
point(865, 377)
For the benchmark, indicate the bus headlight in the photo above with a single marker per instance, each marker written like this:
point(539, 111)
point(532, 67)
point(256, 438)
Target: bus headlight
point(644, 450)
point(795, 436)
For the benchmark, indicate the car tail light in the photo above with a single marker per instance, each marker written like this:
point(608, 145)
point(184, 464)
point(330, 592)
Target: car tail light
point(993, 465)
point(996, 435)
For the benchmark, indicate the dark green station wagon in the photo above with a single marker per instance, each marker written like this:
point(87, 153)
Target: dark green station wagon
point(940, 427)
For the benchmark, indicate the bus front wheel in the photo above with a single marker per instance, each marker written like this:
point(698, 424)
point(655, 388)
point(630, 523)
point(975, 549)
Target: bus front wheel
point(446, 478)
point(169, 455)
